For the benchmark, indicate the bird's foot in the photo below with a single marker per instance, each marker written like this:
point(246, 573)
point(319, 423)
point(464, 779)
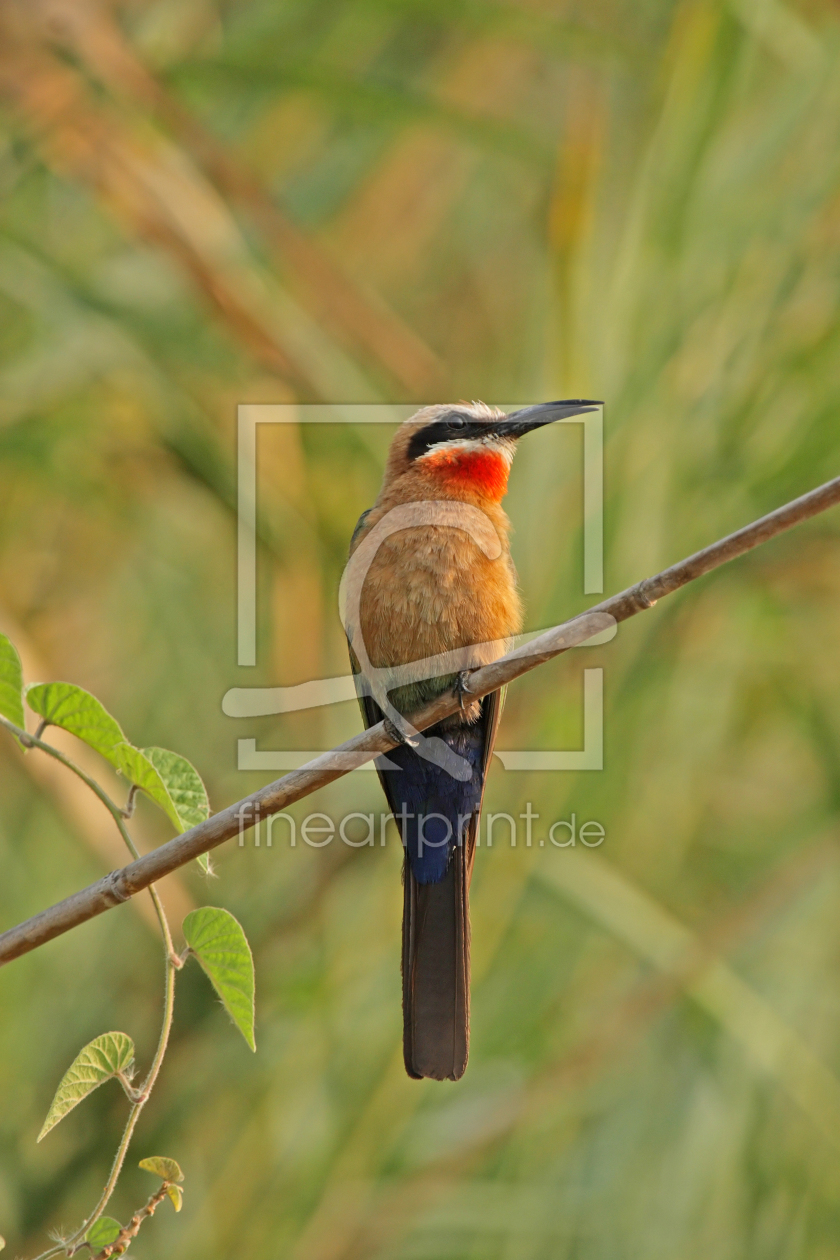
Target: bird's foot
point(398, 735)
point(462, 687)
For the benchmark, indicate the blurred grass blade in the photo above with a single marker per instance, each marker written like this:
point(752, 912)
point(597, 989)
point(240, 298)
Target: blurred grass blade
point(156, 191)
point(330, 294)
point(630, 915)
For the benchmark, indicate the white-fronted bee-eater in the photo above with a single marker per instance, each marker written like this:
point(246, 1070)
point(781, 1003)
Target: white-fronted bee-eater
point(438, 577)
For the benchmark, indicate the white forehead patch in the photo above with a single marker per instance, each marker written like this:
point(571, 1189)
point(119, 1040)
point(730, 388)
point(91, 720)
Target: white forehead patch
point(505, 447)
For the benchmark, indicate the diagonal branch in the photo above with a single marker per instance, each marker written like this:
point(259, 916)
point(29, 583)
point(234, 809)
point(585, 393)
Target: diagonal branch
point(121, 885)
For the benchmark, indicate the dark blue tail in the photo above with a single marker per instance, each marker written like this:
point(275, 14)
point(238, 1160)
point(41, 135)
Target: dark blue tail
point(437, 808)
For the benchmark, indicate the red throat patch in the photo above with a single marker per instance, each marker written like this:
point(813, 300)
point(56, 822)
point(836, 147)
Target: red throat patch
point(485, 471)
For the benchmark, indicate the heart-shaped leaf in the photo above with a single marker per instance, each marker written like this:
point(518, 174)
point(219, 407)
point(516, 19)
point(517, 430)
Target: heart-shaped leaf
point(11, 682)
point(170, 781)
point(220, 945)
point(103, 1232)
point(76, 710)
point(167, 778)
point(183, 783)
point(163, 1167)
point(186, 791)
point(101, 1059)
point(176, 1194)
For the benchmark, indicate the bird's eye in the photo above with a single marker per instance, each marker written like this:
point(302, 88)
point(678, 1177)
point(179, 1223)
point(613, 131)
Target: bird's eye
point(457, 422)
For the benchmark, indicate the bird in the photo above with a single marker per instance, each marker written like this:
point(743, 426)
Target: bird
point(435, 577)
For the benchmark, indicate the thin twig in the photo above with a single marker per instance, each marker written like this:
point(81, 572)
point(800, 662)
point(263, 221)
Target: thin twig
point(123, 1239)
point(134, 1114)
point(127, 810)
point(172, 964)
point(120, 886)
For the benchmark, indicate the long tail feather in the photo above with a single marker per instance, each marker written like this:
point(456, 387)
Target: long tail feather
point(436, 916)
point(436, 970)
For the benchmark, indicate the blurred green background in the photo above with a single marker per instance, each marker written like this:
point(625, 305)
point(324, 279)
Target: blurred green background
point(207, 202)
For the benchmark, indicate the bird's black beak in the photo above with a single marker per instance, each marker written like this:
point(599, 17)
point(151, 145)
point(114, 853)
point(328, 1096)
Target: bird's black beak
point(517, 423)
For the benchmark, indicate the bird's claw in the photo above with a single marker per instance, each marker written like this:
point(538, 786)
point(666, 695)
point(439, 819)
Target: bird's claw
point(398, 735)
point(462, 687)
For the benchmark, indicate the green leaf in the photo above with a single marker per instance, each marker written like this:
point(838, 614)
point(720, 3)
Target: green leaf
point(11, 683)
point(171, 782)
point(163, 1167)
point(176, 1194)
point(186, 791)
point(220, 945)
point(101, 1059)
point(103, 1232)
point(183, 783)
point(139, 770)
point(76, 710)
point(169, 779)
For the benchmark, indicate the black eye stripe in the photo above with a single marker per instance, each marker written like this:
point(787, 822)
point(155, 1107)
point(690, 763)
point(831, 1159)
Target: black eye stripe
point(450, 428)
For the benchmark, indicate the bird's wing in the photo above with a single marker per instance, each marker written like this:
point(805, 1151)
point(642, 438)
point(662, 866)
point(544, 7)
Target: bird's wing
point(491, 707)
point(371, 712)
point(360, 524)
